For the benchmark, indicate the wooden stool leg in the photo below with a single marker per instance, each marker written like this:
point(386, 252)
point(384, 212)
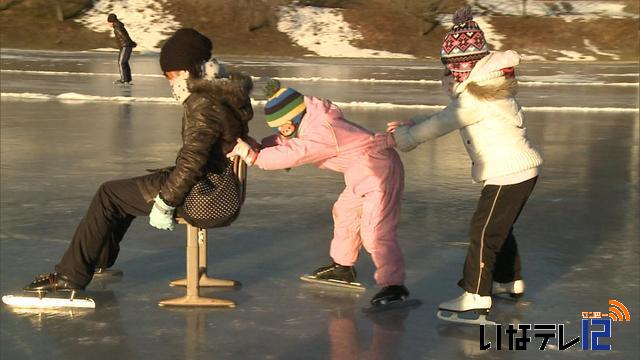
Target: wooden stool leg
point(205, 280)
point(193, 297)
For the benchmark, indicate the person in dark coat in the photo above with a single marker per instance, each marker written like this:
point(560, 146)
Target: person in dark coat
point(126, 45)
point(216, 112)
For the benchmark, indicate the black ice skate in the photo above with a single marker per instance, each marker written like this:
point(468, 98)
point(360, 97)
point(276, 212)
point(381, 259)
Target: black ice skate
point(51, 282)
point(467, 303)
point(103, 277)
point(335, 275)
point(121, 82)
point(104, 272)
point(48, 284)
point(391, 297)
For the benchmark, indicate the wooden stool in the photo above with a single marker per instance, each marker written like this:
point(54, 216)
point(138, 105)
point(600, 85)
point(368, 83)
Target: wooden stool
point(197, 261)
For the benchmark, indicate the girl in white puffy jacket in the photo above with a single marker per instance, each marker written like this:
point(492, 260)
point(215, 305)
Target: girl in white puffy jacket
point(483, 108)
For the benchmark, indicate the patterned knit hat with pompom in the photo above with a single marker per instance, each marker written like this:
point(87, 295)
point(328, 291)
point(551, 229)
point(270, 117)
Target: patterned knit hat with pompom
point(464, 44)
point(283, 105)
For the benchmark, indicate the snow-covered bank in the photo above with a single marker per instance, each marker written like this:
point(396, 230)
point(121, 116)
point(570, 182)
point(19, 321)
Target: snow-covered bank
point(146, 21)
point(325, 32)
point(565, 10)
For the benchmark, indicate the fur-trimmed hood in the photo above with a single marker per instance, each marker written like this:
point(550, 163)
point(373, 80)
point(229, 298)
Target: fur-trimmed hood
point(487, 81)
point(233, 89)
point(500, 88)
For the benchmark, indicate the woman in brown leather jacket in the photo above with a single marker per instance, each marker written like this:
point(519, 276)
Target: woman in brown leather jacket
point(216, 113)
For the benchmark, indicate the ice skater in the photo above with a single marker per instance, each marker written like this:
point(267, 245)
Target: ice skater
point(126, 45)
point(215, 113)
point(482, 87)
point(314, 131)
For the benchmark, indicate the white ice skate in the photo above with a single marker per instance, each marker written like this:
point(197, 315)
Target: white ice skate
point(514, 289)
point(467, 303)
point(48, 302)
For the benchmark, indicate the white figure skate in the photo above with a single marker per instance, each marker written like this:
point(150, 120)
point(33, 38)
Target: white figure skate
point(514, 289)
point(467, 303)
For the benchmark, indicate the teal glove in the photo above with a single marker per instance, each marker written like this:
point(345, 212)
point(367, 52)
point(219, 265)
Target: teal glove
point(161, 216)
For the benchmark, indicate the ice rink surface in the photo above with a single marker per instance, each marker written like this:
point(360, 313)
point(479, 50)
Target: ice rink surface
point(578, 235)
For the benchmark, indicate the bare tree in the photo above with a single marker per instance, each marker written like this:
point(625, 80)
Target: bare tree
point(58, 9)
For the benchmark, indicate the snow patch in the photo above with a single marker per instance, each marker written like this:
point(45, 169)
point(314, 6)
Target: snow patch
point(146, 21)
point(75, 98)
point(27, 95)
point(369, 80)
point(111, 49)
point(593, 48)
point(531, 81)
point(570, 55)
point(324, 32)
point(74, 73)
point(529, 57)
point(83, 98)
point(570, 10)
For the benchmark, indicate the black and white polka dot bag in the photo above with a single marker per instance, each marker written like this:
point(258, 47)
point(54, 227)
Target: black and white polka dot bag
point(214, 201)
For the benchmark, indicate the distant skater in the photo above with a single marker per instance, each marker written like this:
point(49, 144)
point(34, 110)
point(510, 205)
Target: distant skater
point(314, 131)
point(126, 45)
point(482, 88)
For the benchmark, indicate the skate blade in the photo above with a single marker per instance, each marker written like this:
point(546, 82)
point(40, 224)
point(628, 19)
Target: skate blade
point(405, 304)
point(47, 302)
point(507, 296)
point(108, 273)
point(453, 317)
point(333, 283)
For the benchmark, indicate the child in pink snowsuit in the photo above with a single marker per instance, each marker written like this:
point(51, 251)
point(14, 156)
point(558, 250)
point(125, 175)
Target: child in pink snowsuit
point(314, 131)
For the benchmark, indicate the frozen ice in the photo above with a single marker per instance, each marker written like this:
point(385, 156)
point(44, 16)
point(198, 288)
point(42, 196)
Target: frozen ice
point(578, 235)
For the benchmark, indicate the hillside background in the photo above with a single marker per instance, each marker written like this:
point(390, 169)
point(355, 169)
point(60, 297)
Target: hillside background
point(541, 30)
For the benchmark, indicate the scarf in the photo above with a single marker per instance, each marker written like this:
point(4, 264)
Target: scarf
point(210, 70)
point(179, 87)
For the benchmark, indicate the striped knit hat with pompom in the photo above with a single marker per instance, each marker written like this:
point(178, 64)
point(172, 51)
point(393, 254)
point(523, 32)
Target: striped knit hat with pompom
point(464, 44)
point(283, 105)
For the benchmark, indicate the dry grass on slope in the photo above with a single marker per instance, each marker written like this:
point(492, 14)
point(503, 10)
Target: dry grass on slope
point(237, 27)
point(409, 26)
point(34, 24)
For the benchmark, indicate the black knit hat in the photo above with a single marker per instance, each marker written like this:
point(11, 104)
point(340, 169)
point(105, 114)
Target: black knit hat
point(185, 50)
point(111, 18)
